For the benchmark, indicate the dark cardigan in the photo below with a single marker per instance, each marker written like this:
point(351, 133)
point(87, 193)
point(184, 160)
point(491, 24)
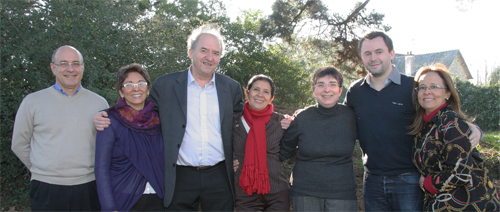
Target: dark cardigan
point(274, 133)
point(325, 138)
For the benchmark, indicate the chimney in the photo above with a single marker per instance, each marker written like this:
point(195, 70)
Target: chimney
point(409, 64)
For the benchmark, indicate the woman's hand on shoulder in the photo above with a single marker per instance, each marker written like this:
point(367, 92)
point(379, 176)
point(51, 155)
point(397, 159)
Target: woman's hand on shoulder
point(285, 123)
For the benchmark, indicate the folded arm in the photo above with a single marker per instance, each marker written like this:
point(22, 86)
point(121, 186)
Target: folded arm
point(22, 134)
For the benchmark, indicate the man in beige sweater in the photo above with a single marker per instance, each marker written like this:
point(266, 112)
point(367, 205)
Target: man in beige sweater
point(55, 138)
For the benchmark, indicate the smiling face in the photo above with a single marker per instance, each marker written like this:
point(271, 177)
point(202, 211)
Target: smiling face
point(68, 78)
point(431, 100)
point(205, 56)
point(327, 96)
point(136, 96)
point(377, 57)
point(259, 95)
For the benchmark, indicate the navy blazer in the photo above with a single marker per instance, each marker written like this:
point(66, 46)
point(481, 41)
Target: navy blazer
point(169, 93)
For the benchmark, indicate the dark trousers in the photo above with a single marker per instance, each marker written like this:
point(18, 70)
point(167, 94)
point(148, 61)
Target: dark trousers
point(50, 197)
point(279, 201)
point(208, 187)
point(148, 202)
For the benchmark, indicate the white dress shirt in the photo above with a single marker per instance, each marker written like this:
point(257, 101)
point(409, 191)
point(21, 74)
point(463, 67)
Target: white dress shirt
point(202, 142)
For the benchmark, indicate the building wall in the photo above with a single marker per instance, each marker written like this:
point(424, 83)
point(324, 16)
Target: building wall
point(457, 69)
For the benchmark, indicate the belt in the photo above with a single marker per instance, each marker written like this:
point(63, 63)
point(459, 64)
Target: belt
point(200, 168)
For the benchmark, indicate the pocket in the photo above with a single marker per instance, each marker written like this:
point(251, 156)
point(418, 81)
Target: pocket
point(39, 193)
point(34, 186)
point(411, 178)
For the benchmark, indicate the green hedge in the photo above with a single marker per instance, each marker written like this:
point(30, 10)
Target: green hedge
point(481, 102)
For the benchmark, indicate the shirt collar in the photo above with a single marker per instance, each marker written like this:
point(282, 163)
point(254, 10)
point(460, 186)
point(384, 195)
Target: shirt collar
point(191, 79)
point(394, 77)
point(58, 88)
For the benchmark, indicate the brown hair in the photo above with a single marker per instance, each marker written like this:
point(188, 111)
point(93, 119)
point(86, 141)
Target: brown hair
point(263, 78)
point(123, 74)
point(374, 34)
point(453, 101)
point(327, 71)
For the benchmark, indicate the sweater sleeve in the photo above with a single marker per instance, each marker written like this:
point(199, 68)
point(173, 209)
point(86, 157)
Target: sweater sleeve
point(105, 142)
point(23, 133)
point(290, 140)
point(455, 155)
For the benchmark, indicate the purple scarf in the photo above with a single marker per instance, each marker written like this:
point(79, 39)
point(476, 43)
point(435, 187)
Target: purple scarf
point(144, 121)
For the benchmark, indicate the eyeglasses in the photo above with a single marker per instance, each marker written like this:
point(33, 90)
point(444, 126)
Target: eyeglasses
point(130, 86)
point(324, 85)
point(431, 88)
point(75, 65)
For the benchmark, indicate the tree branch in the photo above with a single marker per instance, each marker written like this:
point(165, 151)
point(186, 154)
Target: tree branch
point(354, 13)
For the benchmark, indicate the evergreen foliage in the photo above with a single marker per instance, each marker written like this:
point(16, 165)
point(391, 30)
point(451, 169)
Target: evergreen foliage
point(481, 102)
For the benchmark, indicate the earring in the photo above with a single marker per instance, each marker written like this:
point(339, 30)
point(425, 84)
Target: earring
point(447, 98)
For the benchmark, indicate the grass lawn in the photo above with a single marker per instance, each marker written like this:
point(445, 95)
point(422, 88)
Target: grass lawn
point(490, 150)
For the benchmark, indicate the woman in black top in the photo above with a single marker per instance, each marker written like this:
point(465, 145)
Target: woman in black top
point(325, 134)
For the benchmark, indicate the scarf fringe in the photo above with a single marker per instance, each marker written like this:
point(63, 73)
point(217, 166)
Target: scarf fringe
point(251, 182)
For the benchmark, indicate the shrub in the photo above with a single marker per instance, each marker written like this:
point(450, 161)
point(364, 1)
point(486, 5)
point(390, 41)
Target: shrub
point(481, 102)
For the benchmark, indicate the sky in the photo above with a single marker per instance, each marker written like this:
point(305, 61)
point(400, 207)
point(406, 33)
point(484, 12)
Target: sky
point(425, 26)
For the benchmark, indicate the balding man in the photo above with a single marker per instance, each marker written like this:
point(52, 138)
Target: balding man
point(55, 138)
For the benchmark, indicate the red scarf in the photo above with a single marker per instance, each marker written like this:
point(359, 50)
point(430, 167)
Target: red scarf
point(254, 174)
point(427, 118)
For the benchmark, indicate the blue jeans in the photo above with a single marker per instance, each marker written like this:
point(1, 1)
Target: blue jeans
point(393, 193)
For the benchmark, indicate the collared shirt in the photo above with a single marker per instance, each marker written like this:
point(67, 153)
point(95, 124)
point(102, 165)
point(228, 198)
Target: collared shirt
point(202, 142)
point(58, 88)
point(394, 77)
point(149, 189)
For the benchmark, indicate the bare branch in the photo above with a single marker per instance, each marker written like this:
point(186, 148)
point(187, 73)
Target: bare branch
point(354, 13)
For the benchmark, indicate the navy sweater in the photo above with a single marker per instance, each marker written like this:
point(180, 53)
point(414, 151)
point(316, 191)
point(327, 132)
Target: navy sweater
point(383, 118)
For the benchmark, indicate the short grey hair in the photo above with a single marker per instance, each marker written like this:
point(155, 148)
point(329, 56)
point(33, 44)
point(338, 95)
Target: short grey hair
point(53, 60)
point(211, 29)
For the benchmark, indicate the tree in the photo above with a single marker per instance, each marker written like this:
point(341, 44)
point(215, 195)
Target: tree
point(248, 55)
point(31, 31)
point(324, 30)
point(495, 77)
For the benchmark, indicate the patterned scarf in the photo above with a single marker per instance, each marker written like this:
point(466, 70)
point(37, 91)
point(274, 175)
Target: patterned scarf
point(143, 121)
point(254, 173)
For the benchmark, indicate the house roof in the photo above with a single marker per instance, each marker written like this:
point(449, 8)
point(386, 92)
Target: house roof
point(420, 60)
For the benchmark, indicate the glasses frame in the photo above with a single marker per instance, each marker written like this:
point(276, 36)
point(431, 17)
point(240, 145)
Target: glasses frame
point(136, 85)
point(324, 85)
point(67, 65)
point(430, 88)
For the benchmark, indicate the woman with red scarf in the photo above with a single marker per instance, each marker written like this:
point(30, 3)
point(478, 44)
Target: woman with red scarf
point(129, 159)
point(452, 173)
point(261, 183)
